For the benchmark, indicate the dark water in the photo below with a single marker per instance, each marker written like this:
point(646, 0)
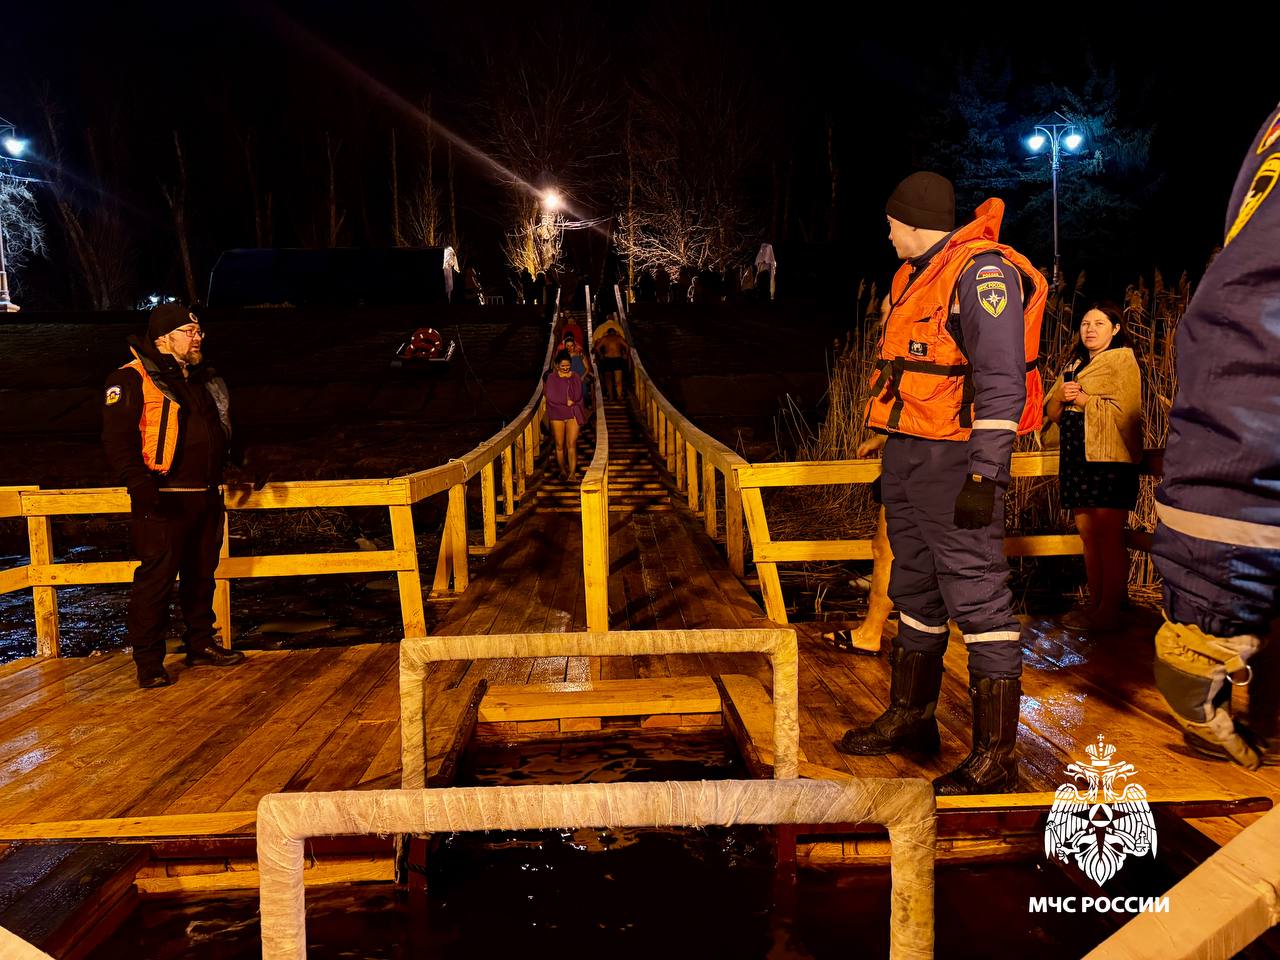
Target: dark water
point(654, 898)
point(621, 893)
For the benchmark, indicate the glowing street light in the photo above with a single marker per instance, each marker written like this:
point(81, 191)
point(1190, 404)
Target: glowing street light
point(1059, 136)
point(551, 201)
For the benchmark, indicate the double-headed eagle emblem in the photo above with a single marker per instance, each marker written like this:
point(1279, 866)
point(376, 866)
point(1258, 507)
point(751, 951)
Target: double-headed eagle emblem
point(1101, 818)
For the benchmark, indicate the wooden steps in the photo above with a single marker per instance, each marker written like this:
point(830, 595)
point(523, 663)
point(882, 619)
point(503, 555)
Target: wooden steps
point(65, 899)
point(636, 485)
point(600, 698)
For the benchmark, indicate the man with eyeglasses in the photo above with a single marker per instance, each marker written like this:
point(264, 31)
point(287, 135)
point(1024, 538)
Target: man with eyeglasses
point(167, 433)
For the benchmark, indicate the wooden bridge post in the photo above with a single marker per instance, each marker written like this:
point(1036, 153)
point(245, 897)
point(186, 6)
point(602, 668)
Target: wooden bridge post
point(408, 578)
point(595, 556)
point(770, 586)
point(222, 587)
point(508, 489)
point(456, 531)
point(709, 495)
point(662, 434)
point(48, 634)
point(670, 438)
point(691, 472)
point(488, 506)
point(518, 466)
point(530, 449)
point(733, 544)
point(680, 460)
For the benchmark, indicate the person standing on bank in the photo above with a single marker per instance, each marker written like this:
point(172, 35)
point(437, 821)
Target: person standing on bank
point(1097, 405)
point(956, 382)
point(166, 430)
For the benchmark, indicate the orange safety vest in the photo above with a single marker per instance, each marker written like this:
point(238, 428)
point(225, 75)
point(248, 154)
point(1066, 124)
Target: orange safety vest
point(923, 384)
point(158, 423)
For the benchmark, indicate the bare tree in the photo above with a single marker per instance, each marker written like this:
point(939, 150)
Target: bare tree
point(690, 151)
point(90, 215)
point(262, 226)
point(23, 230)
point(397, 238)
point(420, 214)
point(535, 242)
point(176, 197)
point(453, 202)
point(550, 111)
point(336, 217)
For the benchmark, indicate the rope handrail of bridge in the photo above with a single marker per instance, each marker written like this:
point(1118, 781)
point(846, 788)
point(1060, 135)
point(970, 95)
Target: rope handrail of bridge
point(680, 443)
point(768, 553)
point(904, 806)
point(516, 444)
point(418, 653)
point(593, 493)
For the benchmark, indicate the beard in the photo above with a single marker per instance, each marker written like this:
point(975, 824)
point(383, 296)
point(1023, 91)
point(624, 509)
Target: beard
point(192, 356)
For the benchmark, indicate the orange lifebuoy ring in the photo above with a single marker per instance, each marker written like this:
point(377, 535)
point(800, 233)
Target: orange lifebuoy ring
point(426, 343)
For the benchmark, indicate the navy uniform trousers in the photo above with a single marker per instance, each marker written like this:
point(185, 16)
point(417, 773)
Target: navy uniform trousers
point(941, 572)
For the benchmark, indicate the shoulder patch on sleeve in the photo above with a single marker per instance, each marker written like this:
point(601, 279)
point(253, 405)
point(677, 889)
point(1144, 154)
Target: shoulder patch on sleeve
point(113, 395)
point(989, 273)
point(993, 295)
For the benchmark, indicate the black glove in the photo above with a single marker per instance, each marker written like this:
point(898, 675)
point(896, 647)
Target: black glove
point(976, 503)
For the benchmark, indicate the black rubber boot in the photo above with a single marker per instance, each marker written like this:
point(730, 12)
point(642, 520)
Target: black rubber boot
point(992, 764)
point(908, 724)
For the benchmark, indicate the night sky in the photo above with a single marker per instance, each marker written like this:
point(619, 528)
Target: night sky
point(285, 74)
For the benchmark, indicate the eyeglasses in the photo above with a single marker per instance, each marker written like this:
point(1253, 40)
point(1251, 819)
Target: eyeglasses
point(190, 332)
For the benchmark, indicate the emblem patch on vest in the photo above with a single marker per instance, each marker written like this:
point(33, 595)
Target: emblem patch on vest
point(1263, 182)
point(113, 395)
point(917, 349)
point(989, 273)
point(1270, 137)
point(993, 295)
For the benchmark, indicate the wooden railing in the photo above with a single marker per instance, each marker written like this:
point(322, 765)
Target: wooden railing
point(768, 553)
point(515, 446)
point(680, 444)
point(594, 494)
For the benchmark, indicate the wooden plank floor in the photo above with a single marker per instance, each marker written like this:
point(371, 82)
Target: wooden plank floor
point(78, 740)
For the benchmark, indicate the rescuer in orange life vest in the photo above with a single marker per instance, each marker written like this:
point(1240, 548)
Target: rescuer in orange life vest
point(167, 434)
point(955, 384)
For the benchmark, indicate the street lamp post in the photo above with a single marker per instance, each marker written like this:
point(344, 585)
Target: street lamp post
point(14, 147)
point(1059, 137)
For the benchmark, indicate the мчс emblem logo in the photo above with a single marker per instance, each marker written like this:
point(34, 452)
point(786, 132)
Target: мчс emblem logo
point(993, 295)
point(113, 395)
point(1101, 819)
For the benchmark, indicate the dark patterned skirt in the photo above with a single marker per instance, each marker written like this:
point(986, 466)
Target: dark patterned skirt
point(1086, 484)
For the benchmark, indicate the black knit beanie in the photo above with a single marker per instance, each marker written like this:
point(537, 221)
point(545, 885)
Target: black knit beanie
point(166, 318)
point(925, 200)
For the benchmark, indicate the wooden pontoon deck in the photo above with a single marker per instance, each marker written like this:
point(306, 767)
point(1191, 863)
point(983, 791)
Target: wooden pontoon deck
point(80, 742)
